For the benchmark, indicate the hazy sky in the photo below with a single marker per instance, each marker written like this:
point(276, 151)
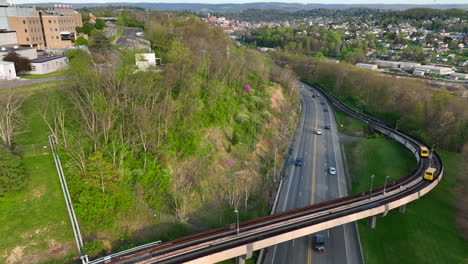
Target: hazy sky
point(250, 1)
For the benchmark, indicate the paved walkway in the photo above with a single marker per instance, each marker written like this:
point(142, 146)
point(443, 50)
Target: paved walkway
point(22, 82)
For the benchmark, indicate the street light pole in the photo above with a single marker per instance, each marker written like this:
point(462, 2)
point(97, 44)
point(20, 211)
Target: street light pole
point(396, 126)
point(237, 214)
point(372, 183)
point(385, 185)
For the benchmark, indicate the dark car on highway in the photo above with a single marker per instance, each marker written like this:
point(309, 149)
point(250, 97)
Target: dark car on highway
point(298, 162)
point(325, 110)
point(323, 103)
point(327, 127)
point(319, 243)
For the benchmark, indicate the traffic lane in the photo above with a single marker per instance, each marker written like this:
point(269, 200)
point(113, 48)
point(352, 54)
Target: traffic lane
point(295, 251)
point(294, 182)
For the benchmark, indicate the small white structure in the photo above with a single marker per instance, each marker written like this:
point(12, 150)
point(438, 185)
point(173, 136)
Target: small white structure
point(418, 73)
point(460, 75)
point(434, 69)
point(145, 60)
point(7, 70)
point(46, 64)
point(367, 66)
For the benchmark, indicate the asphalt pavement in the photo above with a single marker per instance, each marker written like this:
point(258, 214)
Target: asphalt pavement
point(311, 183)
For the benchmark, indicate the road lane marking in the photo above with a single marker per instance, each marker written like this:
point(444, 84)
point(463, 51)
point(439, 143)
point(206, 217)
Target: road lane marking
point(309, 248)
point(299, 194)
point(339, 189)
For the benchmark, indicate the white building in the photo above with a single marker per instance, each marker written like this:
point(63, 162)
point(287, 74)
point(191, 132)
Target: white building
point(145, 60)
point(7, 70)
point(434, 69)
point(459, 75)
point(8, 38)
point(46, 64)
point(367, 66)
point(418, 73)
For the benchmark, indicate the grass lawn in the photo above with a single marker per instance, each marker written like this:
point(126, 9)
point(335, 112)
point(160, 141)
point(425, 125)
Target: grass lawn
point(34, 224)
point(46, 75)
point(348, 125)
point(426, 232)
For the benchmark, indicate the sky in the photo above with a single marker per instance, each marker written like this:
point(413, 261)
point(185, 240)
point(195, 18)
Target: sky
point(251, 1)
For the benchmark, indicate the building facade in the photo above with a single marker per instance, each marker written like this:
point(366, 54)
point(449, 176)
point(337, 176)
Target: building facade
point(8, 38)
point(54, 28)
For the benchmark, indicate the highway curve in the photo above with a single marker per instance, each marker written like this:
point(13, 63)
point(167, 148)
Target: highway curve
point(224, 243)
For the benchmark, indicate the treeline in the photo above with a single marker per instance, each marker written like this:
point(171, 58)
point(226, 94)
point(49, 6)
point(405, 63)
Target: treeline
point(434, 116)
point(311, 40)
point(429, 13)
point(12, 175)
point(259, 15)
point(198, 135)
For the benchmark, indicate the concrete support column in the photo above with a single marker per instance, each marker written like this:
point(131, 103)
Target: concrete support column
point(241, 259)
point(372, 221)
point(402, 209)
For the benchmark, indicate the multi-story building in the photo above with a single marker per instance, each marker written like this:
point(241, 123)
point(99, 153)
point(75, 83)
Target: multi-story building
point(52, 28)
point(7, 10)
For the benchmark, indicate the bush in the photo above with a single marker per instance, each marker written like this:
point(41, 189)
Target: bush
point(12, 174)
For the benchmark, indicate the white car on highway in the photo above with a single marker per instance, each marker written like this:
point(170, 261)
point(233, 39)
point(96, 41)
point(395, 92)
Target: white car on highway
point(332, 170)
point(319, 131)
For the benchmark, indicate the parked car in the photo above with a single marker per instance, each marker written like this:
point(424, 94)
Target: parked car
point(332, 170)
point(298, 162)
point(319, 243)
point(319, 132)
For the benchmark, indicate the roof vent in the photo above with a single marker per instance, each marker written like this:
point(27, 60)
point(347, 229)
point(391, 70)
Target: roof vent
point(3, 49)
point(15, 47)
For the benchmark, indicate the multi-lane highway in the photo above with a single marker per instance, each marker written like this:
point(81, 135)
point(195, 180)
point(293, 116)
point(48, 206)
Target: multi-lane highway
point(312, 183)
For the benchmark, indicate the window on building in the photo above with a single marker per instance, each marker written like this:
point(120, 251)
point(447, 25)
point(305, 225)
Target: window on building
point(33, 68)
point(24, 22)
point(25, 30)
point(51, 30)
point(56, 37)
point(50, 21)
point(27, 39)
point(52, 37)
point(56, 29)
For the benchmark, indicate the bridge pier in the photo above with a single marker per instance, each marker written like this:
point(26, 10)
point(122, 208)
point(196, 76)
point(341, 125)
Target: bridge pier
point(402, 209)
point(372, 221)
point(241, 259)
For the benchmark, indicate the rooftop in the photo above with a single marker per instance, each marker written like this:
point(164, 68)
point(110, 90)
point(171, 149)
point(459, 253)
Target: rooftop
point(5, 62)
point(41, 59)
point(10, 49)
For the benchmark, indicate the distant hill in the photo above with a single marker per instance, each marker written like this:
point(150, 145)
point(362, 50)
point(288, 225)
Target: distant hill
point(232, 8)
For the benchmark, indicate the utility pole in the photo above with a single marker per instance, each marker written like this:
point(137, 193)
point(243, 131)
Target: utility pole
point(372, 183)
point(385, 185)
point(237, 214)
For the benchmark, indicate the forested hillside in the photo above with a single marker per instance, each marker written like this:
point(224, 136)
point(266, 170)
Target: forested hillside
point(156, 155)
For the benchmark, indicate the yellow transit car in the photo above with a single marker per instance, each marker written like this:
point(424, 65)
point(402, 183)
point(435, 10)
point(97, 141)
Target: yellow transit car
point(424, 152)
point(429, 174)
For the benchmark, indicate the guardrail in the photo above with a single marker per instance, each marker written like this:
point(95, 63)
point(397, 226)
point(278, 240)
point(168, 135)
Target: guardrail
point(223, 243)
point(68, 201)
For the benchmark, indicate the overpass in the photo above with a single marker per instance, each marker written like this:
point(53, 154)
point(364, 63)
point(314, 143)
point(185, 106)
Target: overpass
point(232, 241)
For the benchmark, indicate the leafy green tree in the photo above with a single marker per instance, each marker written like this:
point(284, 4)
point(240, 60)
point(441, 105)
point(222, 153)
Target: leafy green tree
point(80, 41)
point(100, 24)
point(87, 29)
point(12, 174)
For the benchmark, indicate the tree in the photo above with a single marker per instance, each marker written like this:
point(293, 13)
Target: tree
point(99, 44)
point(100, 24)
point(22, 64)
point(12, 176)
point(9, 117)
point(80, 41)
point(87, 29)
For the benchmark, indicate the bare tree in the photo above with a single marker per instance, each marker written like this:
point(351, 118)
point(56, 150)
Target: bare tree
point(10, 117)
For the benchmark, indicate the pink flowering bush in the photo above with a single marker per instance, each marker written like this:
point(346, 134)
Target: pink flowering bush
point(247, 88)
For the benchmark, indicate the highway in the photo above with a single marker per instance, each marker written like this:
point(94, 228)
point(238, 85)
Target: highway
point(228, 242)
point(311, 183)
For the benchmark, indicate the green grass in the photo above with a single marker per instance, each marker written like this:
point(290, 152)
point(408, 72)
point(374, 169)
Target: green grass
point(348, 125)
point(379, 157)
point(32, 88)
point(426, 232)
point(35, 220)
point(45, 75)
